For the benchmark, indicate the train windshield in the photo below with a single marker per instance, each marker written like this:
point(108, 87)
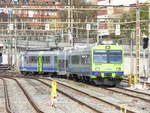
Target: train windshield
point(115, 56)
point(108, 56)
point(100, 56)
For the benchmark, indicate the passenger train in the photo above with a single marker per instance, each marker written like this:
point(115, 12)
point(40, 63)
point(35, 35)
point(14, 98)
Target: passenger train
point(100, 64)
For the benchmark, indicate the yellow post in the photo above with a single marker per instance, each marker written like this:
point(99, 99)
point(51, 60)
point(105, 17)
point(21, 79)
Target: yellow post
point(134, 79)
point(123, 108)
point(53, 92)
point(130, 80)
point(138, 79)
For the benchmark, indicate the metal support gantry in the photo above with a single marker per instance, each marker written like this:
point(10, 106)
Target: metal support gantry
point(138, 44)
point(149, 46)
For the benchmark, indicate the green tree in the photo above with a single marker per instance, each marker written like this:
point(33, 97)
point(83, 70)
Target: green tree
point(131, 17)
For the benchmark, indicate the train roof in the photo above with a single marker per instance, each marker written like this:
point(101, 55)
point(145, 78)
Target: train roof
point(76, 49)
point(39, 52)
point(110, 47)
point(87, 48)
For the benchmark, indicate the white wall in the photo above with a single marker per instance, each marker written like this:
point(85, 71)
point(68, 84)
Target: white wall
point(127, 65)
point(5, 59)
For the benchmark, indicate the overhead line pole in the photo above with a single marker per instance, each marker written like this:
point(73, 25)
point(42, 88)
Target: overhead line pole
point(137, 76)
point(69, 20)
point(149, 46)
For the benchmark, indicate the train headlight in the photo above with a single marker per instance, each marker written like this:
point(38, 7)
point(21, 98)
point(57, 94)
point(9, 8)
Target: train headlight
point(97, 69)
point(118, 69)
point(102, 75)
point(113, 75)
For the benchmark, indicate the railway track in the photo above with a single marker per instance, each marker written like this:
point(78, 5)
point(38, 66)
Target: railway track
point(28, 97)
point(5, 67)
point(83, 93)
point(63, 103)
point(54, 110)
point(95, 110)
point(7, 103)
point(124, 91)
point(127, 92)
point(25, 93)
point(132, 93)
point(135, 97)
point(142, 82)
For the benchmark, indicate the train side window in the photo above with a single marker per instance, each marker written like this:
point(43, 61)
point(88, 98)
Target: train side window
point(75, 59)
point(69, 60)
point(88, 59)
point(55, 58)
point(66, 63)
point(27, 58)
point(61, 63)
point(85, 59)
point(46, 59)
point(32, 59)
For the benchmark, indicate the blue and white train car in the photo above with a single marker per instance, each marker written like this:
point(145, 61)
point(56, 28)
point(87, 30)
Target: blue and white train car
point(34, 62)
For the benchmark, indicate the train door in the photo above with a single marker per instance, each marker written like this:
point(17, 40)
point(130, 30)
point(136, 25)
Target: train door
point(62, 63)
point(40, 63)
point(66, 61)
point(22, 60)
point(1, 58)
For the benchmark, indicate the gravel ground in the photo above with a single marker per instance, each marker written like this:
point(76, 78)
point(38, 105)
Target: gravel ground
point(2, 98)
point(132, 103)
point(41, 95)
point(18, 101)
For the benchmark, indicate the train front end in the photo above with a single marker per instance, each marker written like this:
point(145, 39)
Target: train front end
point(107, 64)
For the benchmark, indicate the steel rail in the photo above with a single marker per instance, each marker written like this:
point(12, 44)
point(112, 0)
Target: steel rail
point(130, 95)
point(5, 67)
point(136, 91)
point(126, 80)
point(7, 102)
point(27, 96)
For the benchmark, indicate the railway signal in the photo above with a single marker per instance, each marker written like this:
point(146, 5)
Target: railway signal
point(145, 45)
point(145, 42)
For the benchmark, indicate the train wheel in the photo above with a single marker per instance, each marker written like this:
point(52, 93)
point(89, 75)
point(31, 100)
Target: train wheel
point(67, 75)
point(24, 73)
point(71, 77)
point(91, 81)
point(31, 73)
point(54, 74)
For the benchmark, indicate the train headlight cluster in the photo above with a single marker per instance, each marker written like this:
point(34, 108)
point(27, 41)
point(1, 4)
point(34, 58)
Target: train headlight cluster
point(118, 69)
point(113, 75)
point(97, 69)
